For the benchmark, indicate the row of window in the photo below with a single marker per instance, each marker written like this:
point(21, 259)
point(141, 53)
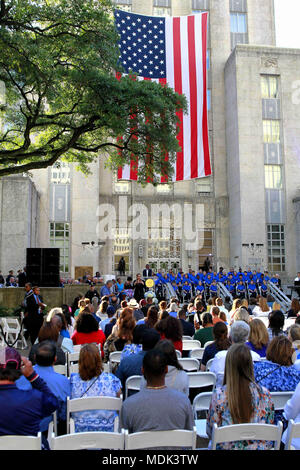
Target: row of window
point(273, 177)
point(238, 21)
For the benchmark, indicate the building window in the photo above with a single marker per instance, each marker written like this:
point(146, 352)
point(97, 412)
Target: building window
point(164, 188)
point(164, 252)
point(203, 185)
point(161, 11)
point(60, 238)
point(269, 87)
point(276, 248)
point(238, 23)
point(125, 5)
point(121, 187)
point(60, 173)
point(271, 129)
point(208, 100)
point(273, 177)
point(121, 248)
point(206, 240)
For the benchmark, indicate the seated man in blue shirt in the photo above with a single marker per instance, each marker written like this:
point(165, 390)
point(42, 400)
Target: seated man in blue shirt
point(45, 358)
point(22, 410)
point(132, 365)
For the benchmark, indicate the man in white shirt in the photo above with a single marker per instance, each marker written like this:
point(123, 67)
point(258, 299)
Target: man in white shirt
point(239, 333)
point(219, 303)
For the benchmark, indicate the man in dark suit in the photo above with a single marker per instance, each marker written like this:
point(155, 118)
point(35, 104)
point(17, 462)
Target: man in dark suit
point(187, 326)
point(147, 271)
point(22, 278)
point(34, 307)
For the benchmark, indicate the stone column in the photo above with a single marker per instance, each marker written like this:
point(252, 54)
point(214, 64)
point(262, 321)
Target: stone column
point(297, 227)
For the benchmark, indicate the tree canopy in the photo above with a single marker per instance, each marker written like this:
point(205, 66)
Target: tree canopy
point(58, 63)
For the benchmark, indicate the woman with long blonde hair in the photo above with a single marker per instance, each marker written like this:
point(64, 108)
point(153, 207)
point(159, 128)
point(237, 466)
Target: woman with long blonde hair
point(262, 309)
point(259, 337)
point(240, 400)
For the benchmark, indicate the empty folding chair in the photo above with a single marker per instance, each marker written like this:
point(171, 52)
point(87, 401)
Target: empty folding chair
point(196, 353)
point(200, 380)
point(293, 432)
point(208, 364)
point(247, 432)
point(190, 344)
point(73, 368)
point(280, 399)
point(156, 439)
point(88, 440)
point(72, 358)
point(132, 383)
point(21, 442)
point(114, 358)
point(189, 364)
point(178, 354)
point(201, 403)
point(61, 369)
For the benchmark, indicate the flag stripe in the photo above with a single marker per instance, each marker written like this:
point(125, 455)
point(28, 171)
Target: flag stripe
point(207, 166)
point(186, 92)
point(193, 96)
point(178, 89)
point(199, 68)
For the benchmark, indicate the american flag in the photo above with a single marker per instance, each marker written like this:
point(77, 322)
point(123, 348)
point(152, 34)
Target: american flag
point(172, 51)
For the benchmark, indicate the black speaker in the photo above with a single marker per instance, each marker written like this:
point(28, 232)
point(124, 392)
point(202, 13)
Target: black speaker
point(42, 265)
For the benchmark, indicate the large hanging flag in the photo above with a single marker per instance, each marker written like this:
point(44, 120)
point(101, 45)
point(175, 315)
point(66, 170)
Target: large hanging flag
point(172, 51)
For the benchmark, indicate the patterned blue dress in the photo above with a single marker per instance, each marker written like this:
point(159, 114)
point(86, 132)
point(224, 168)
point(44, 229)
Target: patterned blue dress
point(276, 379)
point(107, 385)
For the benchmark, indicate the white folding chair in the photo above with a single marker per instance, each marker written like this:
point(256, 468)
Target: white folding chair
point(178, 354)
point(114, 357)
point(208, 343)
point(201, 380)
point(12, 329)
point(247, 432)
point(184, 338)
point(156, 439)
point(190, 344)
point(92, 403)
point(280, 399)
point(132, 383)
point(293, 432)
point(21, 442)
point(71, 359)
point(88, 440)
point(196, 353)
point(201, 403)
point(61, 369)
point(73, 368)
point(189, 364)
point(208, 364)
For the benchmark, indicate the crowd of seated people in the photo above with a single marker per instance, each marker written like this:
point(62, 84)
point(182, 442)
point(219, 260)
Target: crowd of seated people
point(251, 340)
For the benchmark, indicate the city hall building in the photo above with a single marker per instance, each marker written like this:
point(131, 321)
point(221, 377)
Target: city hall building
point(247, 214)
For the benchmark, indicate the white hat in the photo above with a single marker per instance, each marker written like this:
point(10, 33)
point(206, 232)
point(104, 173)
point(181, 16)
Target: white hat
point(133, 303)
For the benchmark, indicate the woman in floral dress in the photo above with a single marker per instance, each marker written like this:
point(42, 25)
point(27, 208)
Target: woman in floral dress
point(91, 381)
point(240, 400)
